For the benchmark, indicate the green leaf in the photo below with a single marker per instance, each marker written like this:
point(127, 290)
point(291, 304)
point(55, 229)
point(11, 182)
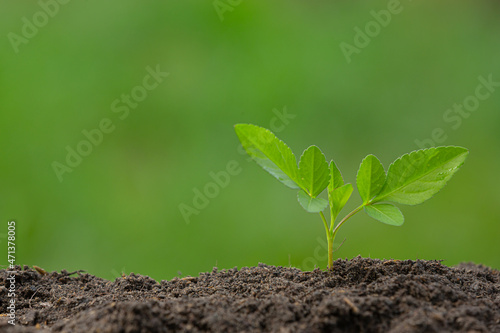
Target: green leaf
point(336, 179)
point(370, 178)
point(385, 213)
point(270, 153)
point(312, 205)
point(338, 198)
point(413, 178)
point(313, 171)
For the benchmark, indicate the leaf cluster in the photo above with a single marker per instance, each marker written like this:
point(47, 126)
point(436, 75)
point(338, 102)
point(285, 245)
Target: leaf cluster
point(410, 180)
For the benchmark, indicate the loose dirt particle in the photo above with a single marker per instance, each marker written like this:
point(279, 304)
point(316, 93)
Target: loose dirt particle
point(351, 305)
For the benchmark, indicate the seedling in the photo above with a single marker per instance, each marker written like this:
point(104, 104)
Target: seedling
point(410, 180)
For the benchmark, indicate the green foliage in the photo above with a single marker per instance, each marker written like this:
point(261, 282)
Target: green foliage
point(411, 179)
point(371, 178)
point(270, 153)
point(313, 171)
point(336, 179)
point(338, 198)
point(385, 213)
point(416, 177)
point(310, 204)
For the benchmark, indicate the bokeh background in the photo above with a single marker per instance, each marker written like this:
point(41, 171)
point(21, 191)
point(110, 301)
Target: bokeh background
point(118, 211)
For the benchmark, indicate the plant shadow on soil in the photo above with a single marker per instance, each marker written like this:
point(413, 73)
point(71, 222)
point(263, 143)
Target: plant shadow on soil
point(358, 295)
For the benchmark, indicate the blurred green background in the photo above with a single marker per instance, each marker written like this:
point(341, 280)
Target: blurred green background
point(230, 62)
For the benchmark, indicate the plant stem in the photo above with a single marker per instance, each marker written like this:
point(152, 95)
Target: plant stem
point(329, 239)
point(325, 223)
point(345, 219)
point(330, 234)
point(330, 252)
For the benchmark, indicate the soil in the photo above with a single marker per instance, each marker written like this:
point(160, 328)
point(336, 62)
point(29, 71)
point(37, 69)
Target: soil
point(358, 295)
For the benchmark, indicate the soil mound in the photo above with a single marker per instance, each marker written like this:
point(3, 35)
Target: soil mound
point(358, 295)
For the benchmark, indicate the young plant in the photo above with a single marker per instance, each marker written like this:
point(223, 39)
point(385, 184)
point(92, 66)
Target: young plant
point(410, 180)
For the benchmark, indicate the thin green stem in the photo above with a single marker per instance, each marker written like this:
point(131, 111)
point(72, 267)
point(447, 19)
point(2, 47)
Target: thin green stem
point(325, 223)
point(332, 232)
point(345, 219)
point(332, 224)
point(329, 239)
point(330, 252)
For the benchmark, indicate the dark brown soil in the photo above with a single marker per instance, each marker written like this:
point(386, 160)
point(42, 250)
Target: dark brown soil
point(359, 295)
